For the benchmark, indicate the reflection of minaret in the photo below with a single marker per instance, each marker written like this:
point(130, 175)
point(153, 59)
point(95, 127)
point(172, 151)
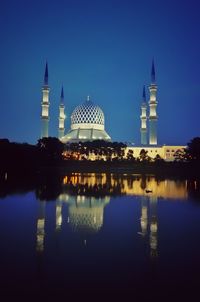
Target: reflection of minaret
point(61, 130)
point(153, 226)
point(58, 215)
point(45, 105)
point(143, 117)
point(40, 227)
point(143, 219)
point(152, 109)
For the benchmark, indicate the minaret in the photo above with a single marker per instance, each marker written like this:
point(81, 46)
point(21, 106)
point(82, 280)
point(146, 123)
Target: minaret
point(143, 117)
point(61, 129)
point(152, 109)
point(45, 105)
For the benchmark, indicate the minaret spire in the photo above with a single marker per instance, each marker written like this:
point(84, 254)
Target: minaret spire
point(62, 116)
point(153, 74)
point(144, 94)
point(45, 105)
point(46, 75)
point(62, 95)
point(143, 118)
point(152, 108)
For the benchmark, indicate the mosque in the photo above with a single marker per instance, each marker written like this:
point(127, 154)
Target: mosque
point(88, 122)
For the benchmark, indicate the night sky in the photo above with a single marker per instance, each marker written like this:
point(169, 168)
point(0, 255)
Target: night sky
point(102, 48)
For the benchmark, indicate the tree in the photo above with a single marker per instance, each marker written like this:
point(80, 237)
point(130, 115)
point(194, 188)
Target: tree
point(193, 150)
point(143, 156)
point(180, 155)
point(130, 156)
point(51, 147)
point(158, 159)
point(100, 148)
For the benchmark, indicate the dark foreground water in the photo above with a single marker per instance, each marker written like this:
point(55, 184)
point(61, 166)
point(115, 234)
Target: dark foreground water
point(100, 236)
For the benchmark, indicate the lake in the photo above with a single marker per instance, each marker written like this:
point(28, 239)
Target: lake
point(100, 235)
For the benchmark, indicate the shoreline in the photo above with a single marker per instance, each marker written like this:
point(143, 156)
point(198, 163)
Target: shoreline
point(164, 169)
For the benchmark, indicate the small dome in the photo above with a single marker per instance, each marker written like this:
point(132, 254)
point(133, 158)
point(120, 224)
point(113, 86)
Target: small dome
point(87, 113)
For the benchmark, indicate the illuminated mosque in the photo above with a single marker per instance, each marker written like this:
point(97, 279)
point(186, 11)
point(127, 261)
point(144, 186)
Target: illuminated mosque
point(88, 122)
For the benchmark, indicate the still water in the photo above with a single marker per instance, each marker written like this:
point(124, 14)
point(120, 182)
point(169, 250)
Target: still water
point(100, 235)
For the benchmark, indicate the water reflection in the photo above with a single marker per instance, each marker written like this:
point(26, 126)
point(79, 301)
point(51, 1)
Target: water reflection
point(113, 230)
point(40, 227)
point(149, 222)
point(86, 196)
point(153, 240)
point(50, 186)
point(113, 184)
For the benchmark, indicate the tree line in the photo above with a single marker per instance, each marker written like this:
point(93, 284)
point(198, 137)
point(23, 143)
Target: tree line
point(51, 151)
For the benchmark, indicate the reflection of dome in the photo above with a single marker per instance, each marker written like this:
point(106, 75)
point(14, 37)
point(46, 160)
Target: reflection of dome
point(86, 213)
point(86, 220)
point(87, 124)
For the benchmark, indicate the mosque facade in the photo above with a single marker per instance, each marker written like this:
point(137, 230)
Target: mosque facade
point(88, 122)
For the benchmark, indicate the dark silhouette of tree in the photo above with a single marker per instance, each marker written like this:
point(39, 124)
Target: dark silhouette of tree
point(130, 156)
point(17, 155)
point(193, 150)
point(51, 148)
point(180, 155)
point(143, 157)
point(100, 148)
point(158, 159)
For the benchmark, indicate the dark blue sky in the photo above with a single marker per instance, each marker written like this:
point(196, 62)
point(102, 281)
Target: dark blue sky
point(103, 48)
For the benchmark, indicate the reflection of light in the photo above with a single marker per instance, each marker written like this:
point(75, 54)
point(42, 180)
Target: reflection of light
point(80, 198)
point(143, 220)
point(63, 197)
point(165, 189)
point(65, 180)
point(153, 238)
point(58, 216)
point(153, 226)
point(40, 235)
point(130, 185)
point(86, 219)
point(149, 224)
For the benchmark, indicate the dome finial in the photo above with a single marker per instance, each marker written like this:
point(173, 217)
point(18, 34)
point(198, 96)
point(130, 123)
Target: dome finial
point(88, 98)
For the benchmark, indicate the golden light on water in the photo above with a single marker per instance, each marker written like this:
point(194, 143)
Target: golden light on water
point(86, 195)
point(131, 184)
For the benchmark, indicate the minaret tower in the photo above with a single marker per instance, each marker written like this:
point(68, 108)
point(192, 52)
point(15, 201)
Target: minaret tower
point(61, 129)
point(143, 117)
point(152, 109)
point(45, 105)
